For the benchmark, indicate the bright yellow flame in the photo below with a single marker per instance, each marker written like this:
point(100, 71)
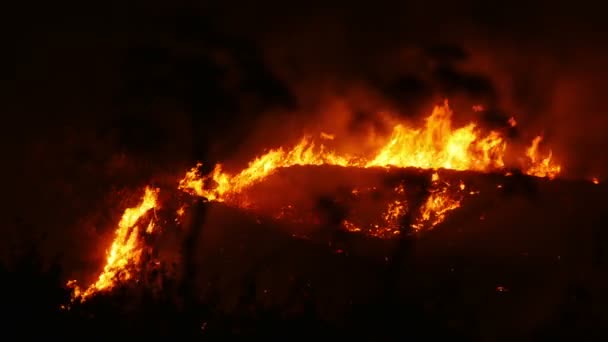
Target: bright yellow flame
point(391, 221)
point(434, 177)
point(437, 145)
point(126, 248)
point(541, 166)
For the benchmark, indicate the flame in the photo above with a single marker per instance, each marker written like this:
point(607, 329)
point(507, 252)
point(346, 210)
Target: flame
point(436, 145)
point(541, 167)
point(434, 177)
point(595, 180)
point(125, 251)
point(434, 210)
point(512, 122)
point(304, 153)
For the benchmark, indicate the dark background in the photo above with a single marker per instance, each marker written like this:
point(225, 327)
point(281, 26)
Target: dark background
point(102, 96)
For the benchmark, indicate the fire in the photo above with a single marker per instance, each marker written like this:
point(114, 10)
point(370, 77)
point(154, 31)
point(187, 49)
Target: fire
point(126, 248)
point(304, 153)
point(512, 122)
point(436, 145)
point(595, 180)
point(541, 166)
point(434, 210)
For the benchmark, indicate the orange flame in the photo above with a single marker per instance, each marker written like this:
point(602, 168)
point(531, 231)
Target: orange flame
point(436, 145)
point(125, 251)
point(541, 167)
point(303, 153)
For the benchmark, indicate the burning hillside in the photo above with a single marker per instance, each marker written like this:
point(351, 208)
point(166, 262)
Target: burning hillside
point(360, 200)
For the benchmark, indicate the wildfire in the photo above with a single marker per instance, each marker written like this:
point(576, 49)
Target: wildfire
point(126, 249)
point(436, 145)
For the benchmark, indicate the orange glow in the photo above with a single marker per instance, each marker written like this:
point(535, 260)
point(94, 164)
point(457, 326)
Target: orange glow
point(304, 153)
point(390, 224)
point(434, 177)
point(478, 108)
point(595, 180)
point(541, 166)
point(434, 146)
point(125, 251)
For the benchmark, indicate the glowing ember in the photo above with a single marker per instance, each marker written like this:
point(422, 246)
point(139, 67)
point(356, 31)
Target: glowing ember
point(436, 145)
point(125, 251)
point(541, 167)
point(434, 210)
point(595, 180)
